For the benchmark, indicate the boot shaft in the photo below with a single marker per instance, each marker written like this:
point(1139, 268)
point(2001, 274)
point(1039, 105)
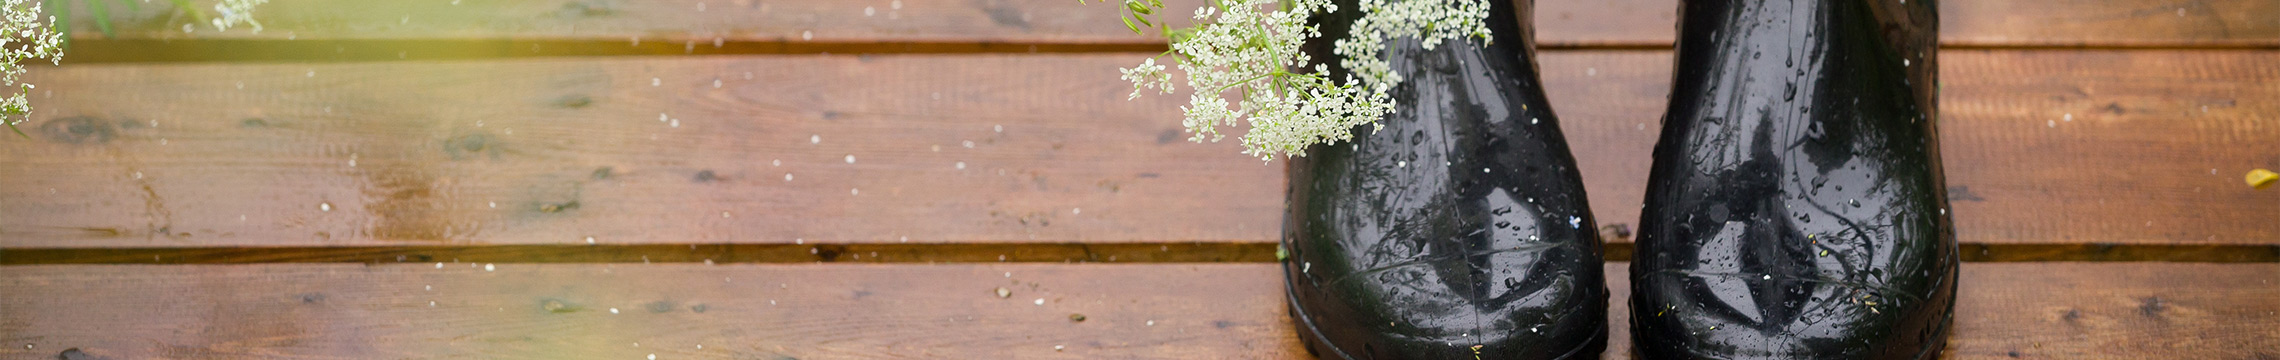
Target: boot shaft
point(1461, 222)
point(1796, 207)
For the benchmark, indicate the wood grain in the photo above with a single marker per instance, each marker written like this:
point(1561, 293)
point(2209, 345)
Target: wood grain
point(2088, 311)
point(564, 148)
point(629, 311)
point(2153, 153)
point(321, 30)
point(787, 150)
point(1974, 24)
point(2034, 311)
point(2111, 23)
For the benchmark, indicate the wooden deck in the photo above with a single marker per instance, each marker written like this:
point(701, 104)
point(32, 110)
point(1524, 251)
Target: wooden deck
point(857, 179)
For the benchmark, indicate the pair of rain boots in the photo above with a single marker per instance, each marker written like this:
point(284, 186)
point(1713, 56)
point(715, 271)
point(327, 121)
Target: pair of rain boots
point(1795, 208)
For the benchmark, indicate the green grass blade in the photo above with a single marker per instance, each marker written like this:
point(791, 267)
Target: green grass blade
point(102, 15)
point(185, 5)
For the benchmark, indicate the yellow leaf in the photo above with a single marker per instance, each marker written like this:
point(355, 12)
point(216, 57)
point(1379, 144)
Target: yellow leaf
point(2261, 178)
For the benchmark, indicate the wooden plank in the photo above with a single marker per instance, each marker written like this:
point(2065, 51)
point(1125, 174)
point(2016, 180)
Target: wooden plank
point(628, 311)
point(787, 150)
point(1081, 164)
point(2111, 23)
point(1984, 23)
point(440, 29)
point(2051, 310)
point(2153, 154)
point(2088, 311)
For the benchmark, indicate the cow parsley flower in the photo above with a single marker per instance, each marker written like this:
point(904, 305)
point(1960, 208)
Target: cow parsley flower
point(24, 35)
point(1148, 76)
point(1431, 22)
point(1243, 64)
point(233, 12)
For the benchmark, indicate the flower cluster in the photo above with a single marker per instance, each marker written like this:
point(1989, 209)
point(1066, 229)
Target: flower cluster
point(233, 12)
point(1249, 49)
point(1431, 22)
point(24, 35)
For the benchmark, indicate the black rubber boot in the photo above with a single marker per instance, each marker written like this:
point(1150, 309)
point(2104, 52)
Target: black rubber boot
point(1460, 229)
point(1796, 208)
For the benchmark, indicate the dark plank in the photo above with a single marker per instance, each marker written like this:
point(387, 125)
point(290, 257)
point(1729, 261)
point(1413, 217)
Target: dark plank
point(350, 30)
point(2051, 310)
point(1081, 164)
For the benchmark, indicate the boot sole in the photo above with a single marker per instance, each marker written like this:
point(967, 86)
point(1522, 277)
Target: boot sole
point(1315, 341)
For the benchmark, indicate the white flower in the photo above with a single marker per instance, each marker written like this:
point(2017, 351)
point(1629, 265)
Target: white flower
point(1146, 76)
point(1241, 51)
point(233, 12)
point(24, 35)
point(1429, 21)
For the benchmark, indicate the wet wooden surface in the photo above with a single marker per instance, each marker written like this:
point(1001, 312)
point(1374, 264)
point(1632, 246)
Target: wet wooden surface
point(2032, 311)
point(290, 193)
point(2041, 147)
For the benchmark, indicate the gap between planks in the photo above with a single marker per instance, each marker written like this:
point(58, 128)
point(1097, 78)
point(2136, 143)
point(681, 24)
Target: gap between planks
point(1190, 252)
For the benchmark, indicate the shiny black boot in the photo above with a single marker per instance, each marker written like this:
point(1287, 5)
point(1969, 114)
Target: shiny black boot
point(1796, 208)
point(1459, 230)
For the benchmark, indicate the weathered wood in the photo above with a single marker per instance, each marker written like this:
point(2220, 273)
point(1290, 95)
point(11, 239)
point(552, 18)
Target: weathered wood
point(627, 311)
point(2089, 311)
point(1983, 23)
point(2153, 152)
point(447, 29)
point(565, 150)
point(441, 29)
point(2053, 310)
point(2111, 23)
point(794, 150)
